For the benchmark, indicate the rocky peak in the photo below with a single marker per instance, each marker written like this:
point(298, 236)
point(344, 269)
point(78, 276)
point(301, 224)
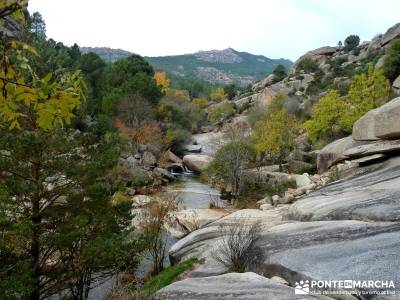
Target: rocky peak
point(227, 55)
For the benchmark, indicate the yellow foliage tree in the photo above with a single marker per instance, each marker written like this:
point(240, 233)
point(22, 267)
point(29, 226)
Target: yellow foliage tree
point(275, 133)
point(217, 94)
point(162, 81)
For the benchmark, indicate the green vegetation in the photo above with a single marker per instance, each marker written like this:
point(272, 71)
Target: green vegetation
point(308, 65)
point(279, 73)
point(166, 277)
point(220, 111)
point(275, 133)
point(391, 65)
point(351, 42)
point(229, 165)
point(257, 67)
point(334, 115)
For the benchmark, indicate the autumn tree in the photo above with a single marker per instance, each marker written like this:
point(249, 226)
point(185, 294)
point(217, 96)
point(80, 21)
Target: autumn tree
point(326, 116)
point(274, 135)
point(217, 94)
point(162, 81)
point(367, 91)
point(334, 115)
point(56, 219)
point(391, 65)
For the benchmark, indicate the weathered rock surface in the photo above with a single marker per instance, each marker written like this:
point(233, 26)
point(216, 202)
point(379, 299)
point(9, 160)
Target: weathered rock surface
point(333, 153)
point(188, 220)
point(371, 148)
point(372, 196)
point(244, 286)
point(193, 148)
point(380, 123)
point(197, 162)
point(210, 142)
point(164, 173)
point(392, 33)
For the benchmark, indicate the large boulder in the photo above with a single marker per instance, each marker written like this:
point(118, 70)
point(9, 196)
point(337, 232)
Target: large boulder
point(392, 33)
point(197, 162)
point(148, 159)
point(396, 85)
point(372, 196)
point(188, 220)
point(333, 153)
point(244, 286)
point(380, 123)
point(210, 142)
point(270, 79)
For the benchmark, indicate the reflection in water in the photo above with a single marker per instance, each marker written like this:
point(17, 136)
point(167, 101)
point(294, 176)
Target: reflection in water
point(193, 194)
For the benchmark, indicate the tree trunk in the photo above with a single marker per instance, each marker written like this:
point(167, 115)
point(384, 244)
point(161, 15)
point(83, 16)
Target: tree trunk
point(35, 249)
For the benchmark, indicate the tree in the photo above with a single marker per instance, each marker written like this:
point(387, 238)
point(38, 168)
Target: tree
point(334, 116)
point(56, 220)
point(230, 91)
point(217, 94)
point(340, 45)
point(275, 134)
point(351, 42)
point(279, 73)
point(367, 91)
point(232, 159)
point(162, 81)
point(154, 218)
point(238, 249)
point(37, 26)
point(326, 116)
point(391, 65)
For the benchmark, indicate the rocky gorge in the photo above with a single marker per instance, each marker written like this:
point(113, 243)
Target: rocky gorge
point(339, 222)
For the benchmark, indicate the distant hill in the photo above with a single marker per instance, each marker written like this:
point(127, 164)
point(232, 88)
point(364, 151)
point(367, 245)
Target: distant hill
point(219, 66)
point(107, 54)
point(216, 66)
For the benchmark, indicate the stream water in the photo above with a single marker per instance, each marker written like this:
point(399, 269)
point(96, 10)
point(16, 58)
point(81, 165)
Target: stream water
point(192, 194)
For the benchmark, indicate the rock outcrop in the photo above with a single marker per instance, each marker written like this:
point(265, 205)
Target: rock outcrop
point(380, 123)
point(244, 286)
point(197, 162)
point(372, 196)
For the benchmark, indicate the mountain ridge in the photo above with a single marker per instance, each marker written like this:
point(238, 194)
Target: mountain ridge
point(217, 66)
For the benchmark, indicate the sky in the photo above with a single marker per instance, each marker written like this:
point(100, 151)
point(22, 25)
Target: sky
point(273, 28)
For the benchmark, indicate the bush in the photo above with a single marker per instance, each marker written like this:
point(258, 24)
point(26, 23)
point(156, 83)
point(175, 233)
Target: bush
point(351, 42)
point(326, 117)
point(230, 91)
point(308, 65)
point(238, 250)
point(391, 65)
point(279, 73)
point(220, 111)
point(177, 138)
point(217, 94)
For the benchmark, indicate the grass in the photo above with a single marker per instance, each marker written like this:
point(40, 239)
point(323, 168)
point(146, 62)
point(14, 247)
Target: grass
point(166, 277)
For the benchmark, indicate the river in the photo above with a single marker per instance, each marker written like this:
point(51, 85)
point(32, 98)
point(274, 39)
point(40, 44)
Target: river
point(192, 194)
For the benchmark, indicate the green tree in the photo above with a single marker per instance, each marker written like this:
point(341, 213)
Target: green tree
point(351, 42)
point(230, 91)
point(279, 73)
point(37, 26)
point(229, 164)
point(391, 65)
point(326, 116)
point(274, 135)
point(217, 94)
point(58, 228)
point(367, 91)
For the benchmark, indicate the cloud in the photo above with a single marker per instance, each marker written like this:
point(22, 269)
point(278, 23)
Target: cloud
point(285, 28)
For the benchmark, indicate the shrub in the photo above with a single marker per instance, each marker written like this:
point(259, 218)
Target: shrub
point(279, 73)
point(351, 42)
point(326, 116)
point(217, 94)
point(200, 102)
point(391, 65)
point(238, 250)
point(308, 65)
point(220, 111)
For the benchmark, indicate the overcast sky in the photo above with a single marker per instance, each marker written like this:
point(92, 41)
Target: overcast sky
point(274, 28)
